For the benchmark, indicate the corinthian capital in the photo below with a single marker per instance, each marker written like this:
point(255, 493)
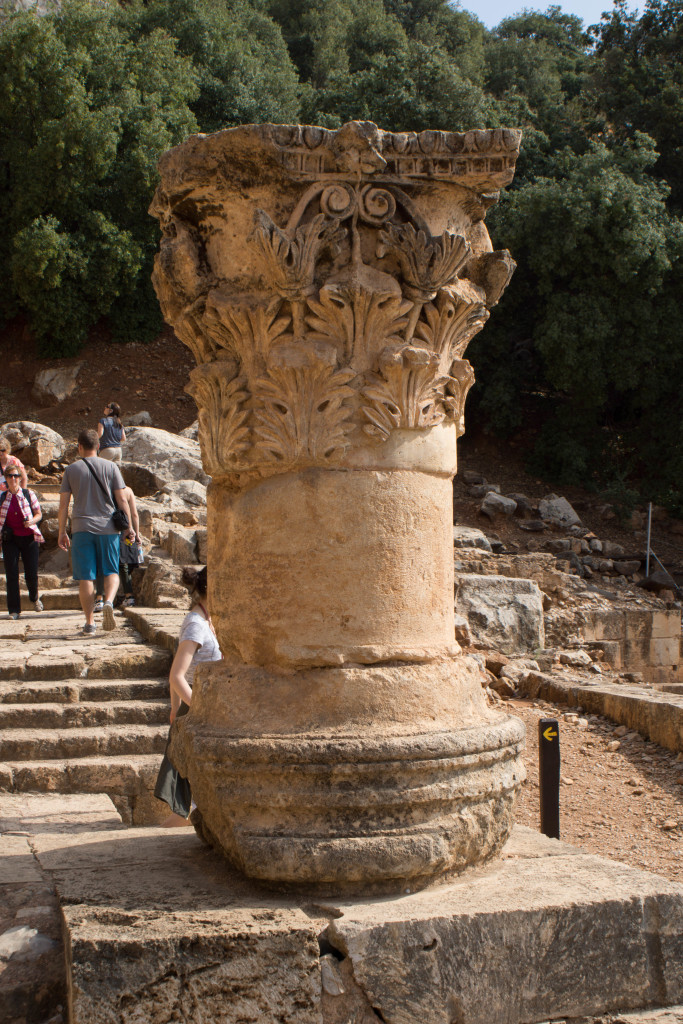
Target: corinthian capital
point(328, 284)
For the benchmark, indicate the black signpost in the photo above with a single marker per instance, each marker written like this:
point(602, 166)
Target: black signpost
point(549, 776)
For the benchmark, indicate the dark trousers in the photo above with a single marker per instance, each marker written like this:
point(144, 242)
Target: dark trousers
point(26, 548)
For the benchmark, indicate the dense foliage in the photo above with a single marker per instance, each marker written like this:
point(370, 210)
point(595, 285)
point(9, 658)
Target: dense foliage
point(584, 348)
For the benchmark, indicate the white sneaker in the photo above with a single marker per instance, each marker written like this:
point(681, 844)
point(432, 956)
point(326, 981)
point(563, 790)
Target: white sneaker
point(38, 605)
point(13, 615)
point(98, 605)
point(108, 620)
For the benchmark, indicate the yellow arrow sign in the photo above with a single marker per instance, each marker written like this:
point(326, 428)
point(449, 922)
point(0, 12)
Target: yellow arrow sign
point(549, 733)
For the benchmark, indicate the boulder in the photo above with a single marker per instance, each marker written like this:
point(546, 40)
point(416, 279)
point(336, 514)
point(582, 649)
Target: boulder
point(167, 455)
point(556, 510)
point(160, 586)
point(181, 544)
point(141, 479)
point(576, 659)
point(468, 476)
point(504, 614)
point(628, 566)
point(496, 504)
point(470, 537)
point(612, 550)
point(138, 419)
point(534, 526)
point(34, 443)
point(192, 432)
point(50, 387)
point(523, 503)
point(190, 491)
point(481, 490)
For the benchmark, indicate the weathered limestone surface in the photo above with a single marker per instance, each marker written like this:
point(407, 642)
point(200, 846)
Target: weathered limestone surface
point(328, 284)
point(160, 929)
point(502, 613)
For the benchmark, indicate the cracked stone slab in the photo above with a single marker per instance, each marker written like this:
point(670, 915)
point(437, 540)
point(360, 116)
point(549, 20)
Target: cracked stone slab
point(519, 941)
point(160, 929)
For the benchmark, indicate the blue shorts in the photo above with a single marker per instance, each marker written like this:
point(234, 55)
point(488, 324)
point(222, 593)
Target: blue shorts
point(94, 554)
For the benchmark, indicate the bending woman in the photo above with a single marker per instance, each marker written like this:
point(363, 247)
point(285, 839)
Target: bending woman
point(197, 642)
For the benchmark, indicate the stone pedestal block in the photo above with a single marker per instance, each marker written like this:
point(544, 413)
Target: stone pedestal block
point(328, 284)
point(158, 929)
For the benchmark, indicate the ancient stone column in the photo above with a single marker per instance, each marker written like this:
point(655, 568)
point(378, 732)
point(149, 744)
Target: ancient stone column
point(328, 284)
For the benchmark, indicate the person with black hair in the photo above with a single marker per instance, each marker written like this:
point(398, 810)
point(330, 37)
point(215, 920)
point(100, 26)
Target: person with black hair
point(111, 433)
point(197, 642)
point(20, 514)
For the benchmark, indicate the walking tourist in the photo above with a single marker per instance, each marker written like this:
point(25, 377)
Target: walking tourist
point(111, 433)
point(197, 642)
point(20, 514)
point(7, 460)
point(98, 490)
point(130, 555)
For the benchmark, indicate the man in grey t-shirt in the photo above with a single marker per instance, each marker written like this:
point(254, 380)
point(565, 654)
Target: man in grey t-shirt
point(94, 539)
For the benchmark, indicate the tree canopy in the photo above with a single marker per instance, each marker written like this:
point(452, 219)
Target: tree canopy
point(584, 346)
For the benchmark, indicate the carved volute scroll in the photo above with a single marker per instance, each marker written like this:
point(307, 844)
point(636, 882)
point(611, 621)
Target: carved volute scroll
point(356, 294)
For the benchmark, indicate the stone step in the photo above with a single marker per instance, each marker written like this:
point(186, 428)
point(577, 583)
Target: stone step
point(55, 744)
point(53, 600)
point(116, 775)
point(670, 687)
point(87, 714)
point(106, 656)
point(46, 580)
point(70, 691)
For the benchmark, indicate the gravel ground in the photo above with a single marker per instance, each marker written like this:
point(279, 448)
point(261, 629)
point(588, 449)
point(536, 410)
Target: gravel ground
point(624, 803)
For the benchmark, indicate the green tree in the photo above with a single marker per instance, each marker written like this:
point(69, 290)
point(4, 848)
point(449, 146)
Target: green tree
point(85, 111)
point(639, 81)
point(587, 336)
point(243, 68)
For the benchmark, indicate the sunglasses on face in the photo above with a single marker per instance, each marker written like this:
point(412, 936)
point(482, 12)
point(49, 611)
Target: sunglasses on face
point(12, 476)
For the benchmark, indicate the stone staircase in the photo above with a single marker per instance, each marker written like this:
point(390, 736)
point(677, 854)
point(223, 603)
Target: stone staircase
point(82, 714)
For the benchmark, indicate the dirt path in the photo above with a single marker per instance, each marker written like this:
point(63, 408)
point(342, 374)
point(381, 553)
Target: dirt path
point(617, 803)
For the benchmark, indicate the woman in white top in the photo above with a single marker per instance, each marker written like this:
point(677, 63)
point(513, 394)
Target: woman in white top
point(197, 642)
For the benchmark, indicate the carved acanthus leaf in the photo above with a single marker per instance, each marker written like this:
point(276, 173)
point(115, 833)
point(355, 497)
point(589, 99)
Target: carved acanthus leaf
point(302, 415)
point(289, 263)
point(449, 325)
point(459, 383)
point(191, 332)
point(409, 393)
point(248, 331)
point(358, 320)
point(223, 430)
point(427, 263)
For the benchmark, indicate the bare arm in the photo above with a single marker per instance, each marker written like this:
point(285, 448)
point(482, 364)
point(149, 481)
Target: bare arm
point(134, 518)
point(63, 541)
point(180, 688)
point(123, 435)
point(122, 502)
point(100, 430)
